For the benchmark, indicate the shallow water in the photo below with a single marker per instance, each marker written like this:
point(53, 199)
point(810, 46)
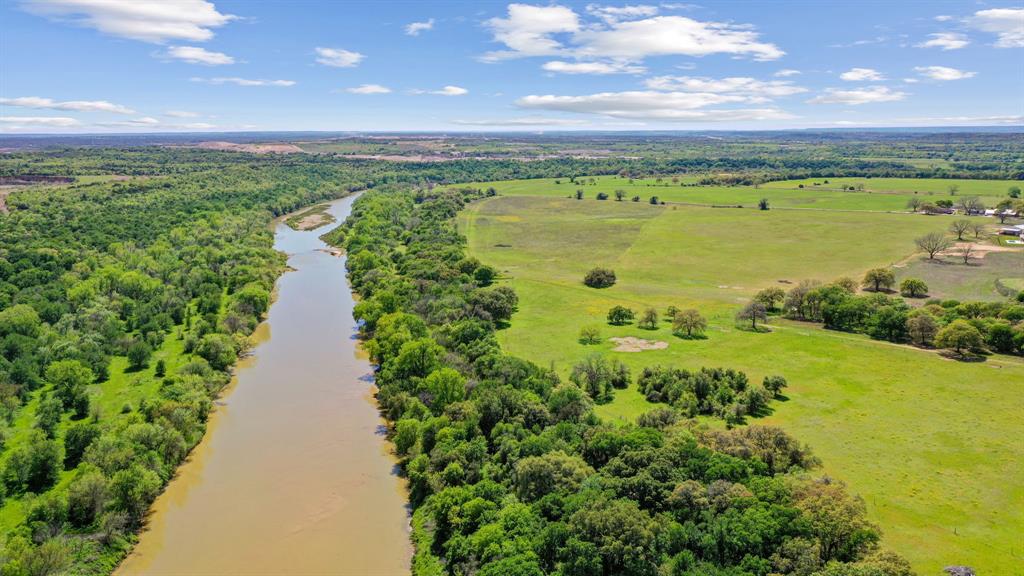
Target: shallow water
point(294, 475)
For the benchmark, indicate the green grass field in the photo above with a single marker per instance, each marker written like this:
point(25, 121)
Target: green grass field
point(879, 194)
point(931, 444)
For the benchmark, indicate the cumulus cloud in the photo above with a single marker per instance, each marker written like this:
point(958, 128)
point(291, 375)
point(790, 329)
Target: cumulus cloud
point(652, 105)
point(858, 96)
point(593, 67)
point(754, 90)
point(1006, 23)
point(521, 121)
point(243, 81)
point(946, 41)
point(613, 14)
point(446, 91)
point(196, 55)
point(75, 105)
point(338, 57)
point(156, 21)
point(787, 72)
point(16, 122)
point(942, 73)
point(862, 75)
point(414, 28)
point(369, 89)
point(629, 33)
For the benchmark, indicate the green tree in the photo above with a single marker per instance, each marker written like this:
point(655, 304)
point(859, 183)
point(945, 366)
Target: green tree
point(689, 323)
point(620, 315)
point(959, 336)
point(218, 350)
point(138, 355)
point(753, 312)
point(599, 278)
point(485, 275)
point(445, 386)
point(70, 379)
point(774, 384)
point(33, 465)
point(649, 319)
point(771, 297)
point(590, 335)
point(537, 476)
point(921, 327)
point(879, 279)
point(913, 288)
point(132, 490)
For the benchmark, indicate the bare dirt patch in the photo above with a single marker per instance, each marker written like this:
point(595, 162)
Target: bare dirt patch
point(634, 344)
point(977, 250)
point(312, 221)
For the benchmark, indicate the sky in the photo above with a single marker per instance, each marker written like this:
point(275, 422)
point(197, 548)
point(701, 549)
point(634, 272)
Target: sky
point(81, 66)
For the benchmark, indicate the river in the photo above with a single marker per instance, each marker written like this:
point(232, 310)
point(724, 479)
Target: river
point(294, 474)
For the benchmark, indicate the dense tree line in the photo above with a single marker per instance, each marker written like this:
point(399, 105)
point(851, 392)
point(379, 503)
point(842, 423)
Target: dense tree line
point(510, 471)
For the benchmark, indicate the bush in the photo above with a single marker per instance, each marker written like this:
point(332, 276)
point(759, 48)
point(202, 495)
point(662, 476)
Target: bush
point(590, 335)
point(600, 278)
point(620, 315)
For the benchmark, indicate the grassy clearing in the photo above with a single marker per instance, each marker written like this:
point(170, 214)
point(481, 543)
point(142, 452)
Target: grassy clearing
point(930, 443)
point(951, 278)
point(879, 194)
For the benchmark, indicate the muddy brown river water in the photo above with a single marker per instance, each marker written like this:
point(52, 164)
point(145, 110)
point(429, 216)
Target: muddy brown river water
point(294, 475)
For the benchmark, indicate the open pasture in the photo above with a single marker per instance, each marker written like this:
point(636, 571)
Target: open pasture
point(928, 442)
point(878, 194)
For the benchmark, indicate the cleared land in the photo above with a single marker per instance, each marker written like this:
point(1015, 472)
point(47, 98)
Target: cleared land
point(930, 443)
point(878, 194)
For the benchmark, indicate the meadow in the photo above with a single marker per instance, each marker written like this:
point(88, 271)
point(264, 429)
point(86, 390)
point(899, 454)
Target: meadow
point(928, 442)
point(878, 194)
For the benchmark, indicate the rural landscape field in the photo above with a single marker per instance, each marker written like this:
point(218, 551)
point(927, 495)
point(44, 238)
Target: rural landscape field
point(511, 289)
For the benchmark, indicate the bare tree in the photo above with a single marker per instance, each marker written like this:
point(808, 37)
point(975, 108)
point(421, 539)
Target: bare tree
point(966, 251)
point(753, 312)
point(914, 204)
point(960, 227)
point(933, 243)
point(971, 205)
point(978, 228)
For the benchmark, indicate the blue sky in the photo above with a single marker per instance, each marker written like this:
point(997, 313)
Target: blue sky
point(197, 65)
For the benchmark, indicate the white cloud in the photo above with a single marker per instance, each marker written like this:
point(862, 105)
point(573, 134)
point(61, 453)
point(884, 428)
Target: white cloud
point(946, 41)
point(75, 105)
point(942, 73)
point(943, 18)
point(338, 57)
point(181, 114)
point(1006, 23)
point(653, 105)
point(593, 67)
point(143, 122)
point(858, 96)
point(753, 90)
point(862, 75)
point(243, 81)
point(527, 30)
point(446, 91)
point(787, 72)
point(521, 121)
point(557, 30)
point(147, 20)
point(196, 55)
point(369, 89)
point(51, 121)
point(613, 14)
point(673, 36)
point(414, 28)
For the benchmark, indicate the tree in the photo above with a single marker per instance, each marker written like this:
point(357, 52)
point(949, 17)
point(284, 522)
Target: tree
point(602, 195)
point(496, 304)
point(1004, 209)
point(753, 312)
point(654, 200)
point(978, 228)
point(971, 205)
point(959, 336)
point(161, 368)
point(87, 496)
point(966, 252)
point(1013, 192)
point(960, 227)
point(933, 243)
point(600, 278)
point(914, 203)
point(774, 384)
point(138, 355)
point(771, 297)
point(649, 319)
point(33, 465)
point(879, 279)
point(537, 476)
point(619, 195)
point(590, 335)
point(484, 275)
point(762, 204)
point(921, 327)
point(913, 288)
point(636, 198)
point(445, 386)
point(579, 194)
point(132, 489)
point(218, 350)
point(620, 315)
point(70, 379)
point(689, 322)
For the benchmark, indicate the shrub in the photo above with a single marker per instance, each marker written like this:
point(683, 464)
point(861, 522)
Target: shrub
point(600, 278)
point(590, 335)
